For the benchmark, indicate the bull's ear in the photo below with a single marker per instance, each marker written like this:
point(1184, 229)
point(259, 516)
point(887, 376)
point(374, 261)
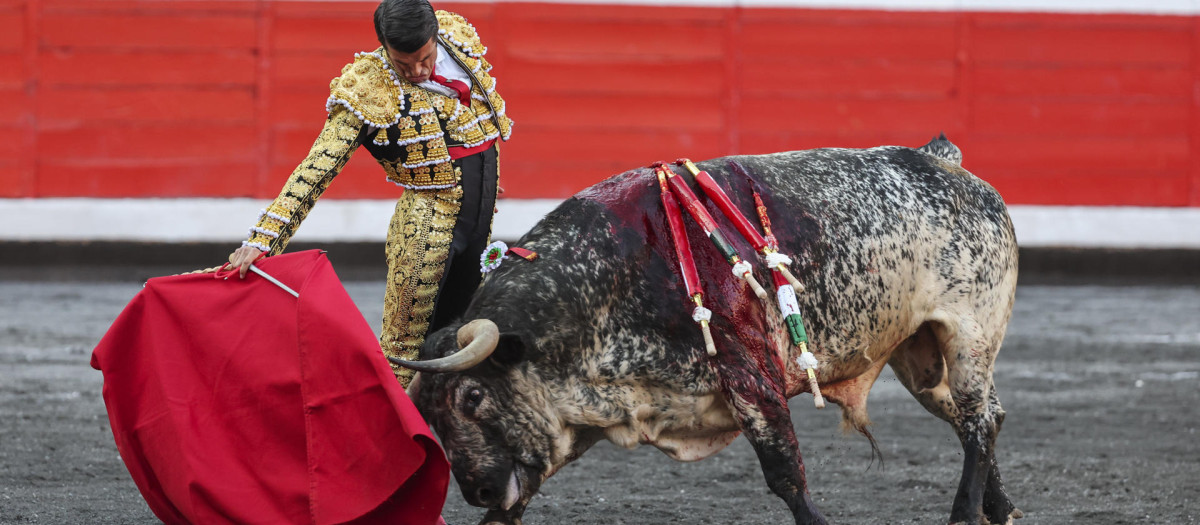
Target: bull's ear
point(439, 344)
point(511, 349)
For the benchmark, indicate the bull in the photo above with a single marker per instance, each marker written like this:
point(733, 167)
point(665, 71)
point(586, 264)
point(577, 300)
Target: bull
point(909, 260)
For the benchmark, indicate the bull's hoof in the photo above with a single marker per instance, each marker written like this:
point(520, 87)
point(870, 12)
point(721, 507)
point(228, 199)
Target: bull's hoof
point(1016, 514)
point(499, 517)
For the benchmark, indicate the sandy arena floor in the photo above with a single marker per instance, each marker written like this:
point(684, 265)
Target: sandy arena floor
point(1101, 385)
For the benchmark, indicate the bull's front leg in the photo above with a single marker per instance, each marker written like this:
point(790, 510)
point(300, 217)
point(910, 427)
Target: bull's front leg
point(761, 410)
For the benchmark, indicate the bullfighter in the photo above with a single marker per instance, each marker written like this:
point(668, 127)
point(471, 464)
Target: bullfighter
point(424, 104)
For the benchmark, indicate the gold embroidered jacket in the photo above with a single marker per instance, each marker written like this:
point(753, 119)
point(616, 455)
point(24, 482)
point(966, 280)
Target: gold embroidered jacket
point(405, 127)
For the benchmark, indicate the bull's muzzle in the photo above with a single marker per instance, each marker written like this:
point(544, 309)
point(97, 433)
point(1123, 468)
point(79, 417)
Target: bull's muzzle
point(476, 340)
point(493, 493)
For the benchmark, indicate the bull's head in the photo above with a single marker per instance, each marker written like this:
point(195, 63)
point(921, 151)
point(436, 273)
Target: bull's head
point(495, 419)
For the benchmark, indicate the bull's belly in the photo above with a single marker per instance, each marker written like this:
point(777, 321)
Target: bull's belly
point(692, 429)
point(694, 448)
point(842, 362)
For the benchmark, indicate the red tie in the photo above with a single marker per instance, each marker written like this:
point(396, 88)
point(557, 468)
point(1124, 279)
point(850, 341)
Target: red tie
point(463, 90)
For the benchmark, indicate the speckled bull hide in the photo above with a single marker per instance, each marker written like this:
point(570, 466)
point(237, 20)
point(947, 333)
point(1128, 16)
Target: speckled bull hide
point(908, 259)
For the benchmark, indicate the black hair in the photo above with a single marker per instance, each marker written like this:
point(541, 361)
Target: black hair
point(405, 25)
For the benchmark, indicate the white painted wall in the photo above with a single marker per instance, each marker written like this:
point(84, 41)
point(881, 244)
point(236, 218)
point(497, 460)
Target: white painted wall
point(227, 220)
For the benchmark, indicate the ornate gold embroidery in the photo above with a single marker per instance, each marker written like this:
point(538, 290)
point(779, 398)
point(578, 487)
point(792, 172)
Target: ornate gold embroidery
point(417, 247)
point(489, 83)
point(332, 149)
point(369, 89)
point(423, 175)
point(416, 155)
point(419, 99)
point(428, 122)
point(424, 120)
point(437, 150)
point(444, 172)
point(457, 31)
point(381, 138)
point(408, 130)
point(480, 108)
point(472, 136)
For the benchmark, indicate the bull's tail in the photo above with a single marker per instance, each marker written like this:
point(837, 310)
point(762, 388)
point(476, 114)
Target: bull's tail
point(942, 148)
point(854, 419)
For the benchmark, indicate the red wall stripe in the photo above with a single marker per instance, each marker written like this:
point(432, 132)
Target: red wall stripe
point(150, 98)
point(1193, 104)
point(20, 171)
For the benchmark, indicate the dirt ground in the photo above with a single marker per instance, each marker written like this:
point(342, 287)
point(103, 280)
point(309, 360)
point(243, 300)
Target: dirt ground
point(1100, 384)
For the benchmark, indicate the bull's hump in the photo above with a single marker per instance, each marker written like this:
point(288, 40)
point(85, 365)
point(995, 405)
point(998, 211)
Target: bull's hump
point(627, 197)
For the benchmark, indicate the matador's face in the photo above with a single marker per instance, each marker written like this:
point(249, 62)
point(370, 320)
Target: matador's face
point(416, 66)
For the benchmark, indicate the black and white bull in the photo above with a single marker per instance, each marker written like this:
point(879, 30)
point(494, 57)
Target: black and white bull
point(908, 260)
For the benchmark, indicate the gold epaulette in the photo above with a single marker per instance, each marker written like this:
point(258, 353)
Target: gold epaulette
point(479, 124)
point(369, 89)
point(457, 31)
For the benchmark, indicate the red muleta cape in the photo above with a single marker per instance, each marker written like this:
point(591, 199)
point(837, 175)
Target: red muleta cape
point(232, 401)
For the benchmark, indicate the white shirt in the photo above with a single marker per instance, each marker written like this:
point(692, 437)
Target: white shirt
point(446, 66)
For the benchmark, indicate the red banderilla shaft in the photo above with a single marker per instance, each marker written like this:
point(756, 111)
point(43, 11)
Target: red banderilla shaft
point(731, 212)
point(687, 265)
point(683, 247)
point(701, 215)
point(735, 216)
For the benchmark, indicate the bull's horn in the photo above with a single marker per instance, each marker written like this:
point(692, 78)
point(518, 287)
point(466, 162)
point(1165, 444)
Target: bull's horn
point(478, 339)
point(414, 386)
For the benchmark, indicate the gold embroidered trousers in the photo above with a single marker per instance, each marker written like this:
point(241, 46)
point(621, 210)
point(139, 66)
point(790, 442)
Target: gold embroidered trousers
point(418, 244)
point(433, 248)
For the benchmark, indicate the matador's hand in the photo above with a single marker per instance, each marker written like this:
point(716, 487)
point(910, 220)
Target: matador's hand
point(242, 257)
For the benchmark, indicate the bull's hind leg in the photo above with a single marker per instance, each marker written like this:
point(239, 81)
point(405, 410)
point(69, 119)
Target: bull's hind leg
point(997, 507)
point(949, 371)
point(761, 410)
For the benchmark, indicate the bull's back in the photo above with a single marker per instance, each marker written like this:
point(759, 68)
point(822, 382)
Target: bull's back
point(880, 237)
point(883, 238)
point(870, 193)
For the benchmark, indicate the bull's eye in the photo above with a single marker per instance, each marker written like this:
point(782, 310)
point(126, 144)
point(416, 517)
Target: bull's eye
point(474, 397)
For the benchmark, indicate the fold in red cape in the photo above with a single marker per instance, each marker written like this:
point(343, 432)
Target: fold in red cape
point(233, 402)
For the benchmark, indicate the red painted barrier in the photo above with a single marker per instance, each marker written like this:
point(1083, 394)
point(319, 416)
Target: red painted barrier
point(151, 98)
